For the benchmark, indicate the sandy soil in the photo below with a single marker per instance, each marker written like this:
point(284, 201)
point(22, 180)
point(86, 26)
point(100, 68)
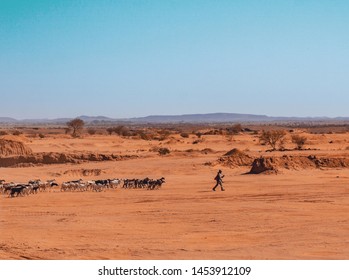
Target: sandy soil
point(296, 214)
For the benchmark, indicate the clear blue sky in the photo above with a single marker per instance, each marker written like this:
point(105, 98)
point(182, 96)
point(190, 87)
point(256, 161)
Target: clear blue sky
point(136, 58)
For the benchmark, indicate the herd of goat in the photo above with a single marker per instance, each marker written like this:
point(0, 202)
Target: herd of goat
point(34, 186)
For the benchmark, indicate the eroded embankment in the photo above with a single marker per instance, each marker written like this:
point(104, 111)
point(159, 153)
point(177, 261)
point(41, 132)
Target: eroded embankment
point(58, 158)
point(272, 164)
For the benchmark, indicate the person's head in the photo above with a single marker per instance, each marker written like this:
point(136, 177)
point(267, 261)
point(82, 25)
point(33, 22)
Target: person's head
point(219, 171)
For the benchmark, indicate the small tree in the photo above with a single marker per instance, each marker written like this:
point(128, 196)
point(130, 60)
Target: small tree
point(91, 131)
point(273, 138)
point(299, 141)
point(76, 125)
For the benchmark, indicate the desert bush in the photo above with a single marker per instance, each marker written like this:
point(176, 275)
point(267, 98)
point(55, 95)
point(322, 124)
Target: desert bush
point(154, 149)
point(235, 129)
point(184, 135)
point(41, 135)
point(163, 151)
point(17, 132)
point(163, 134)
point(91, 131)
point(144, 136)
point(198, 134)
point(120, 130)
point(110, 130)
point(299, 141)
point(273, 138)
point(2, 133)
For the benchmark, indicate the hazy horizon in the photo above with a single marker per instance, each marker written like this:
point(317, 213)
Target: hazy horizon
point(168, 115)
point(125, 59)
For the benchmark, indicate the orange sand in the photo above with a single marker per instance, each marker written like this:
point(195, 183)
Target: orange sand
point(296, 214)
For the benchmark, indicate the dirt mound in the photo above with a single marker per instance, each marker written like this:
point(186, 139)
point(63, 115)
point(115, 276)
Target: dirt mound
point(274, 164)
point(83, 172)
point(264, 165)
point(13, 148)
point(234, 158)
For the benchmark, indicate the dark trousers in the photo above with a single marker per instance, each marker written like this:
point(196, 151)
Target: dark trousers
point(218, 184)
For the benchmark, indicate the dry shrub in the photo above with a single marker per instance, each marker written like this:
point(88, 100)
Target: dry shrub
point(184, 135)
point(163, 134)
point(299, 141)
point(163, 151)
point(110, 130)
point(91, 131)
point(17, 133)
point(235, 129)
point(273, 138)
point(198, 134)
point(3, 132)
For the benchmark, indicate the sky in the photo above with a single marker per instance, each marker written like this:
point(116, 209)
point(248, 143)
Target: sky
point(66, 58)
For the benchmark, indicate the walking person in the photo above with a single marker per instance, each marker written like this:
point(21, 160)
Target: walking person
point(219, 181)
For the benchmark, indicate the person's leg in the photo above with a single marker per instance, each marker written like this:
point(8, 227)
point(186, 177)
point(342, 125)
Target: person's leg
point(214, 188)
point(222, 189)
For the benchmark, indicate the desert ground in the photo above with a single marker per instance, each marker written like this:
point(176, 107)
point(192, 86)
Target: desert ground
point(297, 210)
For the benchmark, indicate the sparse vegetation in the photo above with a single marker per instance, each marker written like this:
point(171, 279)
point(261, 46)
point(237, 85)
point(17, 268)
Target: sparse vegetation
point(184, 135)
point(198, 134)
point(300, 141)
point(273, 138)
point(235, 129)
point(163, 151)
point(77, 126)
point(17, 133)
point(91, 131)
point(110, 130)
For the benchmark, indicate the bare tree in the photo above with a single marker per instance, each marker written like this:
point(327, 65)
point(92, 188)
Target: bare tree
point(299, 141)
point(76, 125)
point(273, 138)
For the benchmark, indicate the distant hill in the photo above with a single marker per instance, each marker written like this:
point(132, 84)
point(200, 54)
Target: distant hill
point(7, 120)
point(188, 118)
point(202, 118)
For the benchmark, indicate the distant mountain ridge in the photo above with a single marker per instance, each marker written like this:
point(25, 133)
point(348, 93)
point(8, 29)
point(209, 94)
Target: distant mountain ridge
point(186, 118)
